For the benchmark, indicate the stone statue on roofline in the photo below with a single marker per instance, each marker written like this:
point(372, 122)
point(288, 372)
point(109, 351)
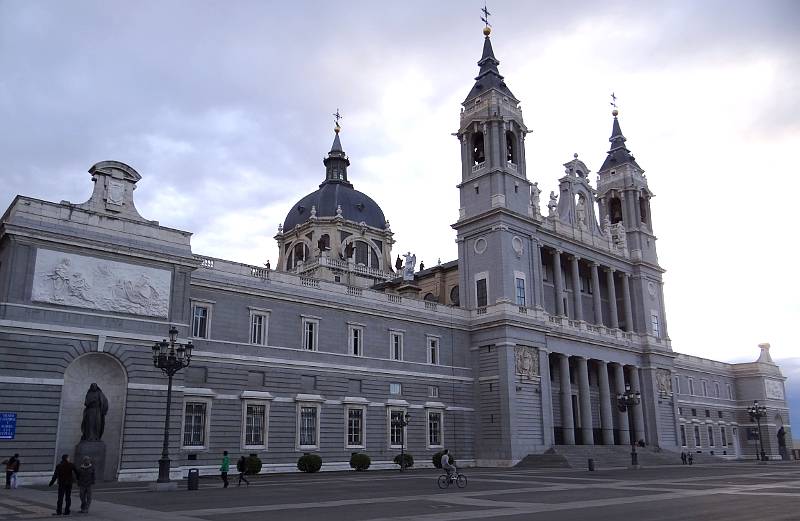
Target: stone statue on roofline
point(552, 205)
point(535, 191)
point(408, 267)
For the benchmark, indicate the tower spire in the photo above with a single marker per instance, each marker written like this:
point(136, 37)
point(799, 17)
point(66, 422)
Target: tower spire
point(337, 162)
point(618, 154)
point(489, 76)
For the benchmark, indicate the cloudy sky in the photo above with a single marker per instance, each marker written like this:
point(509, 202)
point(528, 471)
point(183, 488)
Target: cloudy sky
point(225, 109)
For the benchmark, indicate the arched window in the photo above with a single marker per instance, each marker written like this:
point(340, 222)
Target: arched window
point(298, 253)
point(643, 209)
point(366, 255)
point(478, 155)
point(430, 297)
point(615, 210)
point(511, 147)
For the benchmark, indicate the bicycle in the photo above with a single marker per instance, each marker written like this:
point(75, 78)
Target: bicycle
point(445, 480)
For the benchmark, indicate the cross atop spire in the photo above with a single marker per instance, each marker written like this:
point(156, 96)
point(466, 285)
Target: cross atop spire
point(337, 117)
point(485, 19)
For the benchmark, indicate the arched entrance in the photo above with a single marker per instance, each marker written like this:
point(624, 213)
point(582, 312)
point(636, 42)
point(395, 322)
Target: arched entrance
point(109, 374)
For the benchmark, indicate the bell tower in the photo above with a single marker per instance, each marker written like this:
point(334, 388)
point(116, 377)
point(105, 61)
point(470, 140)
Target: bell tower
point(492, 135)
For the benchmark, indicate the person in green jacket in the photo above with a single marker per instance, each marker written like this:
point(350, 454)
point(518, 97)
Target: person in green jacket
point(223, 469)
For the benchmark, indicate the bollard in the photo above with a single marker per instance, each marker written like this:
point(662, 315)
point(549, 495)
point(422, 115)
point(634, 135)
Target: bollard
point(591, 465)
point(193, 480)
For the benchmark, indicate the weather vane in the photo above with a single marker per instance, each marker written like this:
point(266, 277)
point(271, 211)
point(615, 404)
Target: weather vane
point(337, 117)
point(486, 15)
point(613, 100)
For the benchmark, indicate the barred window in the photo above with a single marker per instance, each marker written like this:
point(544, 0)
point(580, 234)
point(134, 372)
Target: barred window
point(308, 426)
point(397, 431)
point(255, 422)
point(520, 285)
point(434, 428)
point(355, 427)
point(194, 424)
point(396, 345)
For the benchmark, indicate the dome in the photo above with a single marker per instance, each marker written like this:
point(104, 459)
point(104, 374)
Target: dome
point(356, 206)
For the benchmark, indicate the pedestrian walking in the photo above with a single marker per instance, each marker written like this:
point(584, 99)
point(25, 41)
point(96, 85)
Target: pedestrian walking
point(223, 469)
point(64, 474)
point(241, 466)
point(683, 457)
point(85, 482)
point(690, 458)
point(12, 467)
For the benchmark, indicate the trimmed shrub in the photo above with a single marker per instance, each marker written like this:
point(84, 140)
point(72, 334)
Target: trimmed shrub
point(408, 460)
point(252, 464)
point(437, 459)
point(359, 461)
point(309, 463)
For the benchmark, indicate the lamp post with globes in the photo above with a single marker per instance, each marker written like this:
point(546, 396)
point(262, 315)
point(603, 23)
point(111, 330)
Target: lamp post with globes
point(402, 422)
point(757, 412)
point(625, 402)
point(169, 356)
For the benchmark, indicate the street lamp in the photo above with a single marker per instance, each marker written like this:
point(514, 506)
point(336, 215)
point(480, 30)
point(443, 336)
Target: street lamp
point(402, 422)
point(625, 402)
point(757, 412)
point(170, 357)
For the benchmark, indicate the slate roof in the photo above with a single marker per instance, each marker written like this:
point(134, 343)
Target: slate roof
point(489, 76)
point(618, 154)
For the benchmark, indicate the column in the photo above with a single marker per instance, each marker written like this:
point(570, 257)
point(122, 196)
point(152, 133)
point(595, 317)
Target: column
point(587, 431)
point(547, 397)
point(538, 288)
point(559, 291)
point(612, 298)
point(606, 419)
point(567, 423)
point(622, 417)
point(626, 299)
point(637, 413)
point(576, 288)
point(598, 304)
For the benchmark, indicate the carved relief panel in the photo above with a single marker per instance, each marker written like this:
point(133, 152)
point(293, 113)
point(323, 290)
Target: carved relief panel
point(526, 364)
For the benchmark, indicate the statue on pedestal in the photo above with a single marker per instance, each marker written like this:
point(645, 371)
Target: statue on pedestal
point(408, 268)
point(94, 414)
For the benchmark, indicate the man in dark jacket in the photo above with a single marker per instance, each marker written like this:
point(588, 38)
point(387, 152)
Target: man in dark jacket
point(12, 467)
point(65, 473)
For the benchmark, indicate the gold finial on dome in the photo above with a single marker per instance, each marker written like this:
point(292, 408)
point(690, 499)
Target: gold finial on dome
point(614, 112)
point(487, 29)
point(337, 128)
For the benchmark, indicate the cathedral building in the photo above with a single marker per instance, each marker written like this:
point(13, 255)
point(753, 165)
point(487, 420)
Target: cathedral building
point(523, 344)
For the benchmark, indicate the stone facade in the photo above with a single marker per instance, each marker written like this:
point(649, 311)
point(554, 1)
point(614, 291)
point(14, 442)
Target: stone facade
point(558, 312)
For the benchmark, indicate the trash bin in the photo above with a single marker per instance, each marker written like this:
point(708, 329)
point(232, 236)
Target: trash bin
point(193, 481)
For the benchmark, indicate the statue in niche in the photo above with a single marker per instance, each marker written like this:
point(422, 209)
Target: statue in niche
point(535, 191)
point(349, 251)
point(580, 211)
point(526, 363)
point(552, 205)
point(408, 268)
point(94, 414)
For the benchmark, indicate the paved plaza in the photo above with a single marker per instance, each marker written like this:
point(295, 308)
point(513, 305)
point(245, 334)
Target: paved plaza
point(734, 491)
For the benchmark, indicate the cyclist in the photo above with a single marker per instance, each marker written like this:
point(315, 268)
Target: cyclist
point(451, 469)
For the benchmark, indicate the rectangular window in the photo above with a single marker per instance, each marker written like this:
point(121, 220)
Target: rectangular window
point(309, 425)
point(716, 389)
point(356, 340)
point(433, 391)
point(691, 386)
point(433, 350)
point(255, 428)
point(680, 411)
point(705, 388)
point(396, 345)
point(696, 435)
point(396, 429)
point(434, 428)
point(395, 388)
point(310, 333)
point(683, 435)
point(194, 424)
point(480, 292)
point(355, 427)
point(730, 391)
point(520, 285)
point(719, 414)
point(710, 436)
point(723, 436)
point(677, 385)
point(258, 328)
point(200, 315)
point(708, 413)
point(655, 325)
point(694, 412)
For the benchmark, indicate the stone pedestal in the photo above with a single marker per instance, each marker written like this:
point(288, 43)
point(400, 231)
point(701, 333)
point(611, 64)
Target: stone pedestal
point(409, 290)
point(95, 450)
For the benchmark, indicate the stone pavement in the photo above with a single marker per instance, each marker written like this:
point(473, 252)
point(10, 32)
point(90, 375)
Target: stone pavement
point(731, 491)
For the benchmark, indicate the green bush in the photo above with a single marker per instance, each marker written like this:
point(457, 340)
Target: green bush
point(309, 463)
point(408, 460)
point(437, 459)
point(359, 461)
point(252, 464)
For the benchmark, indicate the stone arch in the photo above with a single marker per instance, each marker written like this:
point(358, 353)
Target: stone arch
point(112, 378)
point(375, 253)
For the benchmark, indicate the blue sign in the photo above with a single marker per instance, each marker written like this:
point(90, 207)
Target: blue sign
point(8, 425)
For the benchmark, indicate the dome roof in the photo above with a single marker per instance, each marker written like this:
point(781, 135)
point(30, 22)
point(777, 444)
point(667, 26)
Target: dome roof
point(356, 206)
